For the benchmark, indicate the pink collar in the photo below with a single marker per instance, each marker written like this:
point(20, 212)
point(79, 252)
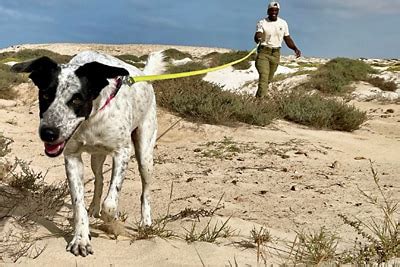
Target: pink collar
point(114, 93)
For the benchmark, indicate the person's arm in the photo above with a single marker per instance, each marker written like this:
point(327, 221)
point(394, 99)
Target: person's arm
point(258, 37)
point(290, 43)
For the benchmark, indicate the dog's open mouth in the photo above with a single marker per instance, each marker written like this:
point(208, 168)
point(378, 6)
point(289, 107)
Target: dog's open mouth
point(53, 150)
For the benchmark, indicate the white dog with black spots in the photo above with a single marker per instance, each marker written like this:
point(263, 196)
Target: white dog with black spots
point(89, 105)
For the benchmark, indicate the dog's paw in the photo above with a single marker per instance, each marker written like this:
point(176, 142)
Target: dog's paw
point(94, 210)
point(80, 245)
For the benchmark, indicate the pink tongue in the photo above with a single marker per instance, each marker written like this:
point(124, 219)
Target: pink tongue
point(53, 149)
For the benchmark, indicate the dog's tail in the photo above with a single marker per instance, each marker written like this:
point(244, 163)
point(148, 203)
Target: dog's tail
point(155, 64)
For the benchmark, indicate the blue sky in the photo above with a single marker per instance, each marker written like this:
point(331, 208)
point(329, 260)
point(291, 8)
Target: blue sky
point(321, 28)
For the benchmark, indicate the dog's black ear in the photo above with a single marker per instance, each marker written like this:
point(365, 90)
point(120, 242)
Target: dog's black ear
point(94, 76)
point(96, 69)
point(41, 70)
point(39, 64)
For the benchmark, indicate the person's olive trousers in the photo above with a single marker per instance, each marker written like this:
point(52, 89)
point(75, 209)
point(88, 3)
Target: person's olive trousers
point(267, 62)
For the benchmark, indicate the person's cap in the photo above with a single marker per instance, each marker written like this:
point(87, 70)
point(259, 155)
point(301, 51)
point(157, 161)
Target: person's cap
point(273, 5)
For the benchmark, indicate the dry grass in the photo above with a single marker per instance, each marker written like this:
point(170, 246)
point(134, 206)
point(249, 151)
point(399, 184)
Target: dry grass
point(314, 248)
point(209, 233)
point(261, 237)
point(382, 234)
point(17, 245)
point(157, 229)
point(25, 201)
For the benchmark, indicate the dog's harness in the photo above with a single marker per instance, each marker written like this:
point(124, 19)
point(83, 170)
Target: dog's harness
point(114, 93)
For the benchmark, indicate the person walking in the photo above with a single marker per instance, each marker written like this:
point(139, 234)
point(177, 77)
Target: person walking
point(270, 33)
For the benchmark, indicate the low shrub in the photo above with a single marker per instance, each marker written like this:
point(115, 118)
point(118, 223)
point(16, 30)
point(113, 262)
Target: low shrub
point(316, 111)
point(218, 59)
point(8, 80)
point(202, 101)
point(394, 68)
point(336, 74)
point(4, 150)
point(190, 66)
point(382, 84)
point(139, 65)
point(309, 64)
point(27, 54)
point(144, 57)
point(173, 53)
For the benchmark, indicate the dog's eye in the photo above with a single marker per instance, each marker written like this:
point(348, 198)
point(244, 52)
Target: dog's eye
point(76, 100)
point(46, 96)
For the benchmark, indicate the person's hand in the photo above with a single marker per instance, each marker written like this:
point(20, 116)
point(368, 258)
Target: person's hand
point(297, 52)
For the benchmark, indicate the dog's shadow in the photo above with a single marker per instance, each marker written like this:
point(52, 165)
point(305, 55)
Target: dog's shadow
point(49, 208)
point(24, 210)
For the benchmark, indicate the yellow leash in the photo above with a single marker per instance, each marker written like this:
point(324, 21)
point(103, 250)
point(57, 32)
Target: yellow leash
point(146, 78)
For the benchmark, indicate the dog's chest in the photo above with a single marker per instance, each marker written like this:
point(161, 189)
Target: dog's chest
point(103, 138)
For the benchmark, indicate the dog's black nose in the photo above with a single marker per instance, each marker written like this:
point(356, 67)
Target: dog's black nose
point(49, 134)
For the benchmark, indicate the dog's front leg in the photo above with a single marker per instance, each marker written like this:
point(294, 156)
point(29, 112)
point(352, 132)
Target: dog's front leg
point(120, 163)
point(80, 244)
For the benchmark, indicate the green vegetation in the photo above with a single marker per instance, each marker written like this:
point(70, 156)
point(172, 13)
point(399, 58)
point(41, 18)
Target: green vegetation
point(335, 75)
point(4, 150)
point(218, 59)
point(313, 248)
point(144, 57)
point(8, 80)
point(389, 86)
point(190, 66)
point(28, 54)
point(199, 100)
point(139, 65)
point(173, 53)
point(319, 112)
point(309, 64)
point(224, 149)
point(396, 67)
point(282, 76)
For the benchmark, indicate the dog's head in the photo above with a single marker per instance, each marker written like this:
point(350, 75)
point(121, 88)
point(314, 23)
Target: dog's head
point(66, 94)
